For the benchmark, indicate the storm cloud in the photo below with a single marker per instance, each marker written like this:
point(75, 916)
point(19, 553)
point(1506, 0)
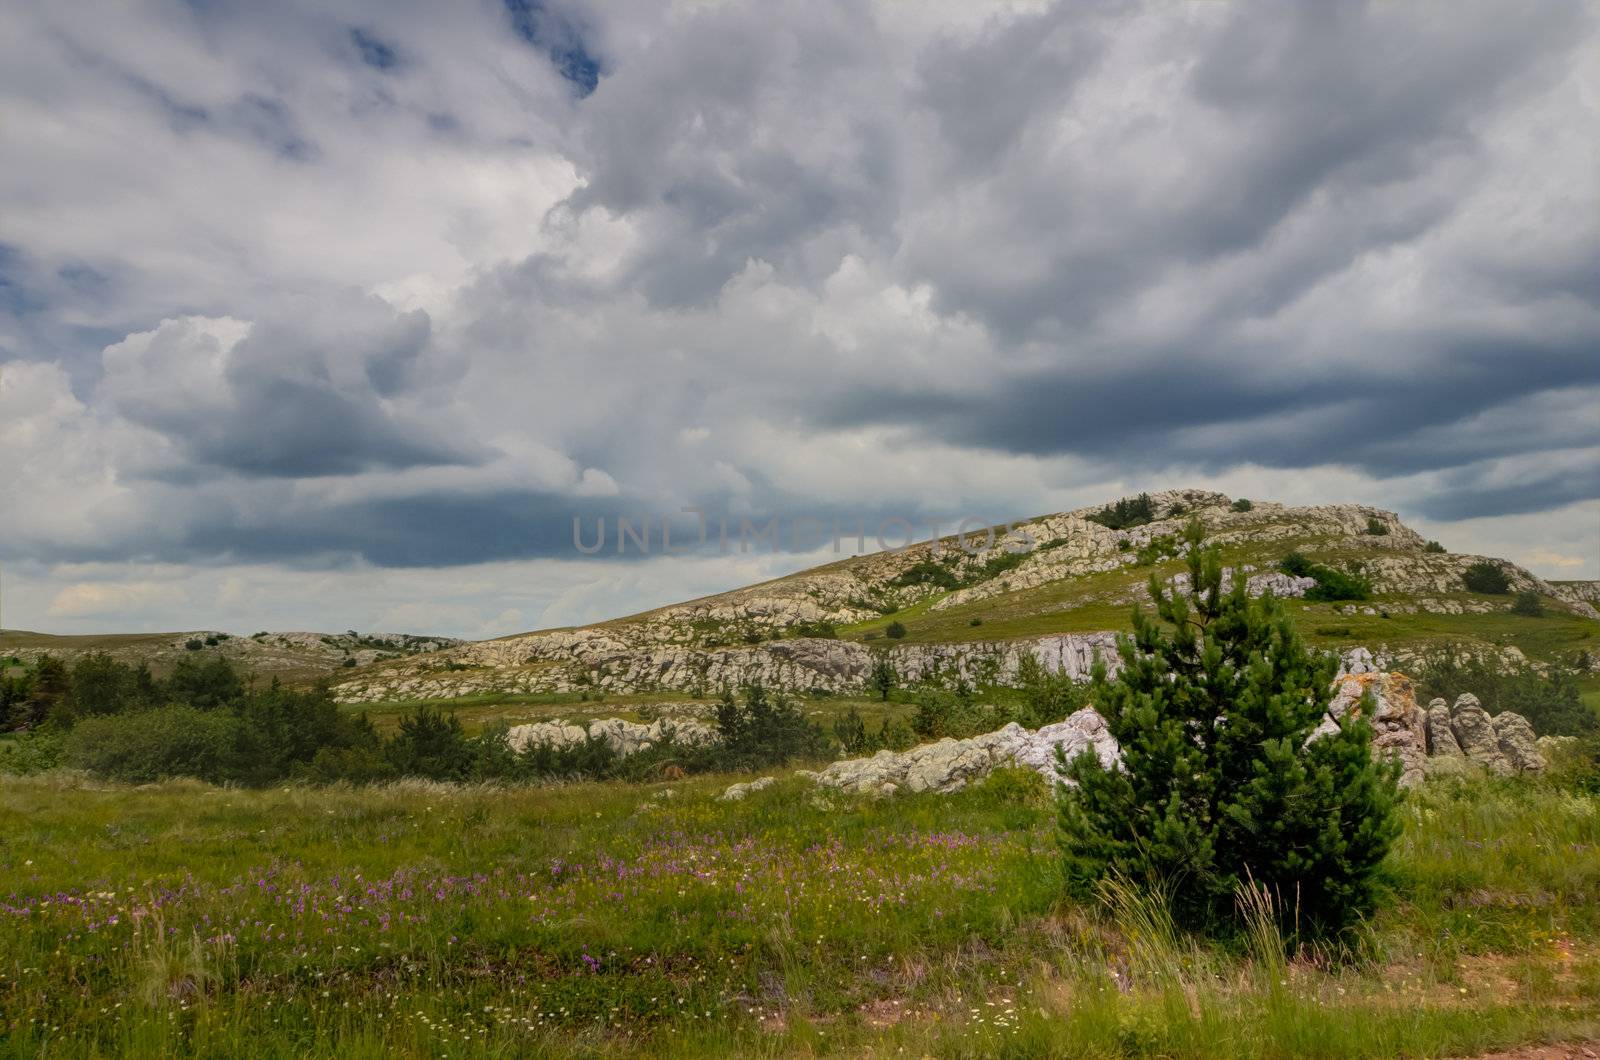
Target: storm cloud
point(399, 288)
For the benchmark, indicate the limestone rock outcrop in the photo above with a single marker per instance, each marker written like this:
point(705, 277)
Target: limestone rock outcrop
point(735, 792)
point(1399, 725)
point(949, 765)
point(625, 737)
point(1518, 744)
point(1441, 737)
point(1474, 731)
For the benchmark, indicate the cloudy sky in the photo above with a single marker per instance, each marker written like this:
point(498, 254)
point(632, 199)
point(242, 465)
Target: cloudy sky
point(334, 315)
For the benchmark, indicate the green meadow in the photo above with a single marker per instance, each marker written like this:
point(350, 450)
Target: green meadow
point(425, 919)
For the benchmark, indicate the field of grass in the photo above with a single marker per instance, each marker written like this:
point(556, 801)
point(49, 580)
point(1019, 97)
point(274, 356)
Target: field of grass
point(617, 920)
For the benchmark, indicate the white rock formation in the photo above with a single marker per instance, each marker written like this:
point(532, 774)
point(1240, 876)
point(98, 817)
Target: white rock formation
point(735, 792)
point(949, 765)
point(1399, 726)
point(625, 737)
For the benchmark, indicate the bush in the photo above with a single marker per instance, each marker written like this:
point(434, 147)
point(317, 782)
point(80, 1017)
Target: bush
point(205, 685)
point(851, 732)
point(1528, 603)
point(1126, 513)
point(926, 572)
point(151, 745)
point(1241, 505)
point(1551, 701)
point(1220, 784)
point(1486, 577)
point(101, 685)
point(884, 678)
point(31, 752)
point(1377, 527)
point(194, 644)
point(1433, 546)
point(1337, 585)
point(1047, 696)
point(896, 630)
point(1156, 550)
point(763, 732)
point(974, 621)
point(430, 744)
point(1331, 584)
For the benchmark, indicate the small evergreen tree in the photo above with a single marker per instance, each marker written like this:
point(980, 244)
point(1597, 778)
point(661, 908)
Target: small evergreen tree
point(896, 630)
point(851, 732)
point(1528, 604)
point(430, 744)
point(1242, 505)
point(1219, 782)
point(883, 679)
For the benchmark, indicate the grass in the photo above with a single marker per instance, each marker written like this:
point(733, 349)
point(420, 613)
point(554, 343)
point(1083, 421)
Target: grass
point(1090, 603)
point(613, 920)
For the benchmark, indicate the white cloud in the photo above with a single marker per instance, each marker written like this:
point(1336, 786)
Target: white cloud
point(278, 311)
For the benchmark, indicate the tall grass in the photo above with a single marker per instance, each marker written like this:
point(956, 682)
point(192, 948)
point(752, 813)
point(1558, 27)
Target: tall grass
point(431, 919)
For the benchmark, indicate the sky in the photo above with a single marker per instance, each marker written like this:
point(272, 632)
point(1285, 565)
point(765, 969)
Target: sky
point(336, 315)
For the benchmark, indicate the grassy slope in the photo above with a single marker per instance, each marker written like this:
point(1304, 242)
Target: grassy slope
point(604, 920)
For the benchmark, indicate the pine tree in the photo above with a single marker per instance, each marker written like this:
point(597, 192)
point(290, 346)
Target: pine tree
point(1219, 782)
point(883, 679)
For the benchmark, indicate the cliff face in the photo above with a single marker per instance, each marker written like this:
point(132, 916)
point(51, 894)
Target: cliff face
point(1064, 570)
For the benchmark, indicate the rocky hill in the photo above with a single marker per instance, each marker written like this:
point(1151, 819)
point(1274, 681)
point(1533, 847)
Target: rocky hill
point(1057, 587)
point(295, 657)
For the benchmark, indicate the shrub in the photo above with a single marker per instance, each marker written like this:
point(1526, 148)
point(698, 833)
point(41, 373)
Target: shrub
point(1377, 527)
point(896, 630)
point(851, 732)
point(1242, 505)
point(974, 621)
point(884, 678)
point(1220, 784)
point(1126, 513)
point(1158, 549)
point(31, 752)
point(205, 685)
point(926, 572)
point(999, 562)
point(763, 732)
point(151, 745)
point(1528, 603)
point(1047, 696)
point(349, 662)
point(1486, 577)
point(102, 685)
point(1337, 585)
point(1331, 584)
point(1551, 701)
point(194, 644)
point(430, 744)
point(1433, 546)
point(954, 714)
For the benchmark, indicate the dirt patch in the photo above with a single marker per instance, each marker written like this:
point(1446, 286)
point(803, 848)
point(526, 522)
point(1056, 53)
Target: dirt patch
point(1564, 1051)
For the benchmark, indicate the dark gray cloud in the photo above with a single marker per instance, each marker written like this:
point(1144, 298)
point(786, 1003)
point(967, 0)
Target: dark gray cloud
point(379, 282)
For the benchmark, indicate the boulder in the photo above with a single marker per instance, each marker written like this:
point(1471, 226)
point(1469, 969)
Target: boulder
point(1399, 725)
point(950, 765)
point(1474, 731)
point(625, 737)
point(1518, 745)
point(1441, 737)
point(735, 792)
